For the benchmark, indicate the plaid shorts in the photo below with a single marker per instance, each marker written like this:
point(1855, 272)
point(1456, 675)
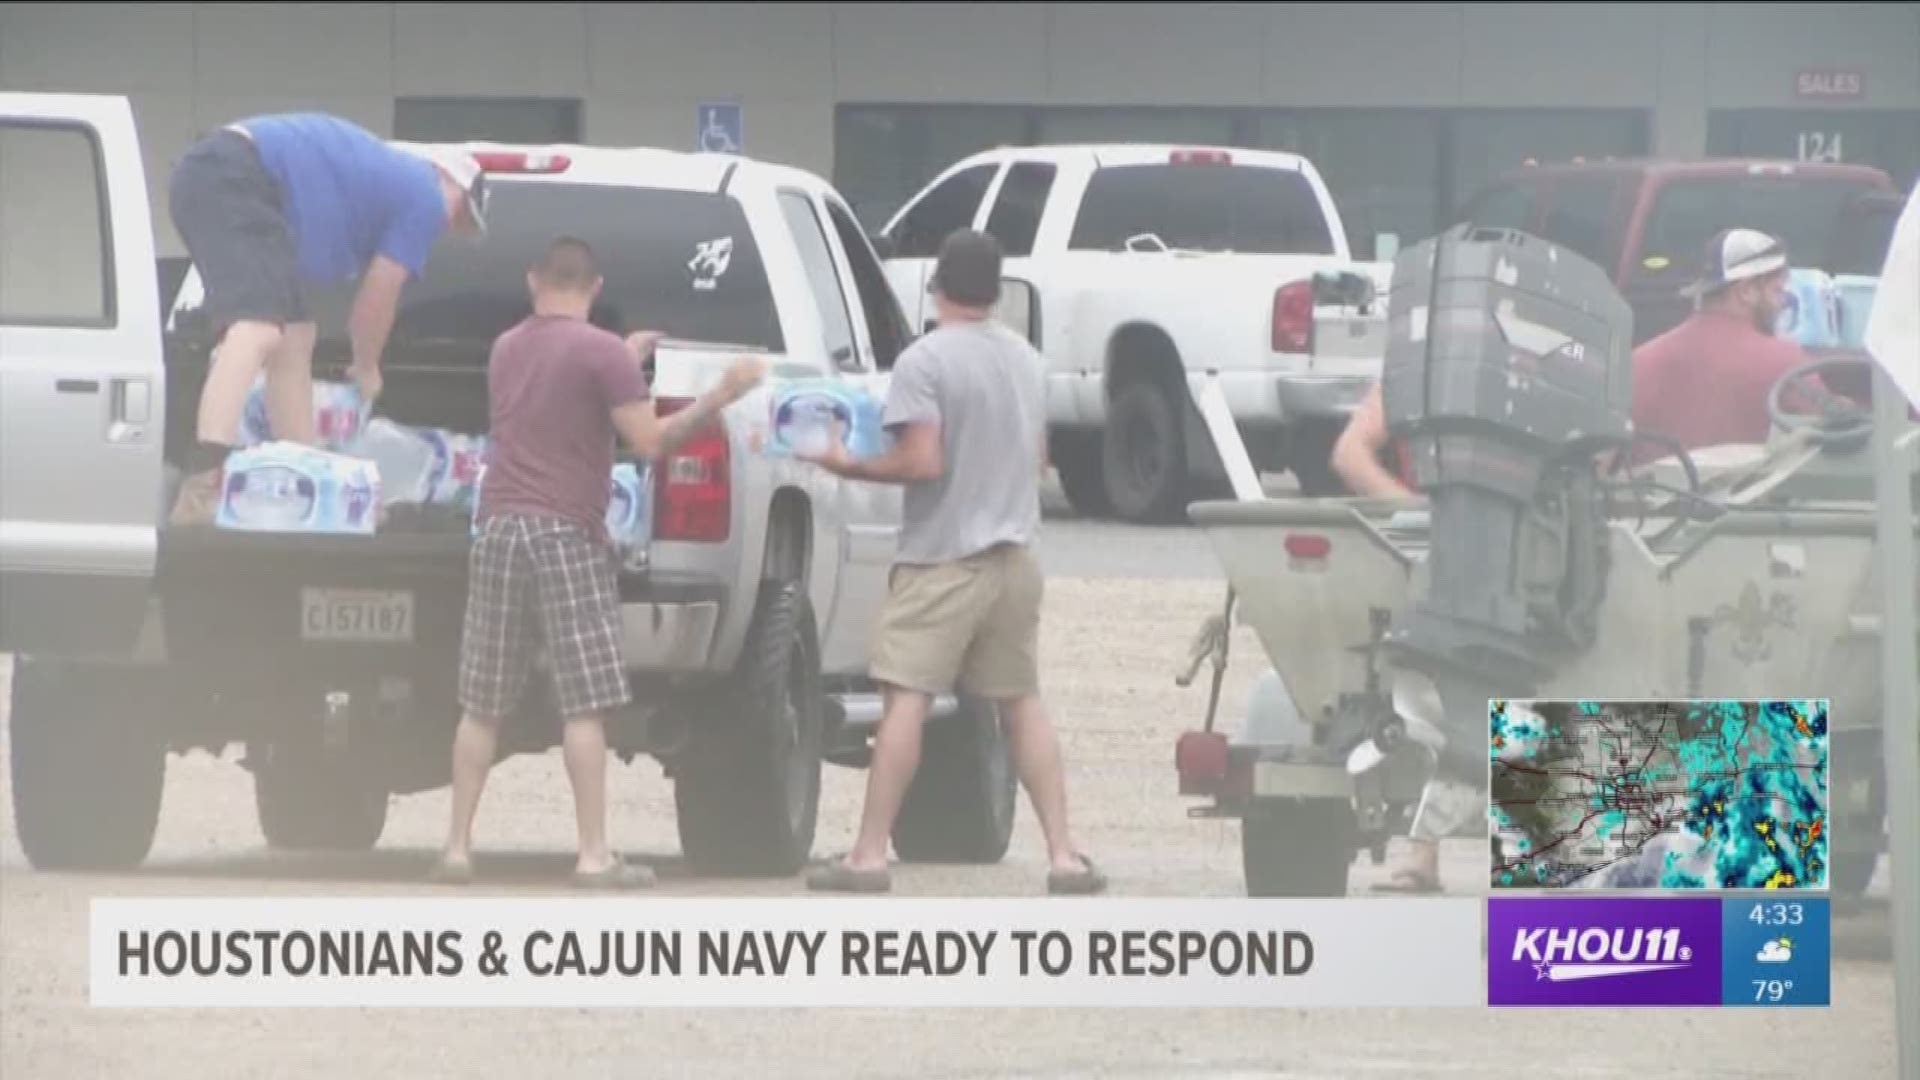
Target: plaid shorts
point(525, 570)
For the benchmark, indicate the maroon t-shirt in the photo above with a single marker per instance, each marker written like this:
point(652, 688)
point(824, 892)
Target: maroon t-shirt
point(1705, 383)
point(554, 383)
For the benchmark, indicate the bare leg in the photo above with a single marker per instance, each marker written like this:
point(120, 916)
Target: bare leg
point(1036, 754)
point(290, 385)
point(474, 747)
point(237, 362)
point(896, 757)
point(585, 748)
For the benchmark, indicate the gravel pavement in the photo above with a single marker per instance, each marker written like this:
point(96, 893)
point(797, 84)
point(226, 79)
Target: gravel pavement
point(1111, 644)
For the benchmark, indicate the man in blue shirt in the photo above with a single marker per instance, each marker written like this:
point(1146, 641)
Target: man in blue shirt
point(272, 206)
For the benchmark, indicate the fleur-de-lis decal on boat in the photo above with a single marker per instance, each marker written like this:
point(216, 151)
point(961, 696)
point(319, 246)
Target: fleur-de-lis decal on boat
point(1750, 619)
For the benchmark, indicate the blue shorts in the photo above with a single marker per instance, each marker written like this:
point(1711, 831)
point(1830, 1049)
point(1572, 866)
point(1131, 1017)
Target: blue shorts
point(231, 214)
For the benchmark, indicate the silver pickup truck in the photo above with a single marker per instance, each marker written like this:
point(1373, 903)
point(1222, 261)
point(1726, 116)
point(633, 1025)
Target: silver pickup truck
point(747, 617)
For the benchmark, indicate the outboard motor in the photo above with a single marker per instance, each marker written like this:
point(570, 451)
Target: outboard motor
point(1508, 370)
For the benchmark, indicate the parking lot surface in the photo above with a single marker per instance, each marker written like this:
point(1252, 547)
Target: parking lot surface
point(1114, 634)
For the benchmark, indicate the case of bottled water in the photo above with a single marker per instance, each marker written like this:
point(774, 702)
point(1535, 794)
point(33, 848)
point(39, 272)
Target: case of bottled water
point(406, 461)
point(1855, 293)
point(283, 487)
point(458, 461)
point(804, 414)
point(339, 415)
point(630, 510)
point(1811, 314)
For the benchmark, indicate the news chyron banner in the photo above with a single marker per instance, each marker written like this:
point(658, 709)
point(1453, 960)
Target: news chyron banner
point(1714, 813)
point(696, 952)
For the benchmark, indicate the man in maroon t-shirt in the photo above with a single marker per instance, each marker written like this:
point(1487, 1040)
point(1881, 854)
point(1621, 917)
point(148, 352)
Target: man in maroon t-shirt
point(1705, 382)
point(562, 390)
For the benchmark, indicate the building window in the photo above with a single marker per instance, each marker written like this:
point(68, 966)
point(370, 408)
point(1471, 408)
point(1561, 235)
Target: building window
point(1886, 139)
point(1483, 144)
point(530, 121)
point(883, 154)
point(1398, 176)
point(1381, 165)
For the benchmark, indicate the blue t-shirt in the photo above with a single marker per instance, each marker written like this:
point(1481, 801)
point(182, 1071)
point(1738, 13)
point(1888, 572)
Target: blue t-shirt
point(349, 195)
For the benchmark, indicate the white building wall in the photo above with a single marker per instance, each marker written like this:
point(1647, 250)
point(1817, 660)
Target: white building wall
point(640, 69)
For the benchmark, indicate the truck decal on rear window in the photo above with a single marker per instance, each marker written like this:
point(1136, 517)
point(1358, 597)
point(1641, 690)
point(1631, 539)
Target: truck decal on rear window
point(710, 261)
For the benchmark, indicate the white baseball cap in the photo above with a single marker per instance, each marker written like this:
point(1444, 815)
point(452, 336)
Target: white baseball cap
point(1735, 255)
point(464, 170)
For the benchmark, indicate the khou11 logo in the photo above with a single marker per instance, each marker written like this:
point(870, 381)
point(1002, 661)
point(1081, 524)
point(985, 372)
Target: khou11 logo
point(1603, 951)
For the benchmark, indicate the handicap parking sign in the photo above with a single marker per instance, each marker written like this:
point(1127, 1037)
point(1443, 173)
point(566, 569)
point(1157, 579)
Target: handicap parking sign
point(720, 128)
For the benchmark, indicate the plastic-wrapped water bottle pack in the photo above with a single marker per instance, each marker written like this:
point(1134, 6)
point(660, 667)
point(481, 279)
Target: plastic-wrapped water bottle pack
point(365, 467)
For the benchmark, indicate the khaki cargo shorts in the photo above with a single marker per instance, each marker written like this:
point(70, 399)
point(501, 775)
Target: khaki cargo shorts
point(973, 624)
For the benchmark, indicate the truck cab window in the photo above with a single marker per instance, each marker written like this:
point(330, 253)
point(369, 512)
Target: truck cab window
point(1580, 218)
point(56, 267)
point(836, 325)
point(1015, 219)
point(1244, 209)
point(886, 326)
point(1502, 207)
point(948, 207)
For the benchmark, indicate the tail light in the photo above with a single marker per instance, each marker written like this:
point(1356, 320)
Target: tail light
point(1293, 318)
point(1200, 157)
point(514, 161)
point(693, 488)
point(1200, 757)
point(1307, 546)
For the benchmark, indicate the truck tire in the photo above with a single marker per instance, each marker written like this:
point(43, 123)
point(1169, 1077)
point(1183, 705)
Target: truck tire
point(747, 793)
point(1144, 455)
point(1076, 457)
point(1301, 848)
point(88, 768)
point(960, 807)
point(1310, 460)
point(317, 801)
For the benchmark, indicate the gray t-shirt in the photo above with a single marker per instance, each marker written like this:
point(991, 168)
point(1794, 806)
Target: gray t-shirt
point(985, 387)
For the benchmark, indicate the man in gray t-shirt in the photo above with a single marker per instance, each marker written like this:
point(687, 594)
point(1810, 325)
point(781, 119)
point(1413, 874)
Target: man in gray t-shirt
point(982, 386)
point(967, 410)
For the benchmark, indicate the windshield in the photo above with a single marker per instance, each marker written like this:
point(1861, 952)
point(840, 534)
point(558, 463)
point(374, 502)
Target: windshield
point(1804, 212)
point(1203, 207)
point(684, 263)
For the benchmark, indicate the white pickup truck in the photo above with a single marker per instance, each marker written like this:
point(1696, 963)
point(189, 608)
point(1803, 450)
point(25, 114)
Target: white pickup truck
point(1146, 269)
point(746, 619)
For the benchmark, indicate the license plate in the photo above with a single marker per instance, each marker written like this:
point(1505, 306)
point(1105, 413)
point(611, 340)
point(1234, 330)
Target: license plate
point(356, 615)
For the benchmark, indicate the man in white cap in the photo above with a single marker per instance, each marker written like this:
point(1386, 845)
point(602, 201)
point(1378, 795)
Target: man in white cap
point(273, 206)
point(1706, 381)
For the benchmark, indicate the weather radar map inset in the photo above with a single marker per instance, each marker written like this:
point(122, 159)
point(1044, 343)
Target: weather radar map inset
point(1659, 794)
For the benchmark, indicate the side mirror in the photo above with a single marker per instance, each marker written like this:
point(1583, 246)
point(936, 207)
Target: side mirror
point(1019, 309)
point(882, 246)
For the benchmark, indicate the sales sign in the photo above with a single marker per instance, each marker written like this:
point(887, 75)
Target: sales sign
point(1831, 84)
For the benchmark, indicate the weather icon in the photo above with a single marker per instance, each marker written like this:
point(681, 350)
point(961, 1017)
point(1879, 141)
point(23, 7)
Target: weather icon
point(1777, 951)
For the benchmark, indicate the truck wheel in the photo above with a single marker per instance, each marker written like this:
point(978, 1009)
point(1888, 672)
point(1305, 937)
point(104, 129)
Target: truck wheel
point(1143, 456)
point(1310, 460)
point(747, 795)
point(317, 801)
point(1297, 848)
point(960, 807)
point(88, 768)
point(1076, 457)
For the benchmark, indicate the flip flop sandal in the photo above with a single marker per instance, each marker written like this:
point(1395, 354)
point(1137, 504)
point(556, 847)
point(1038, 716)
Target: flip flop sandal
point(619, 877)
point(450, 873)
point(1409, 882)
point(1087, 882)
point(837, 876)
